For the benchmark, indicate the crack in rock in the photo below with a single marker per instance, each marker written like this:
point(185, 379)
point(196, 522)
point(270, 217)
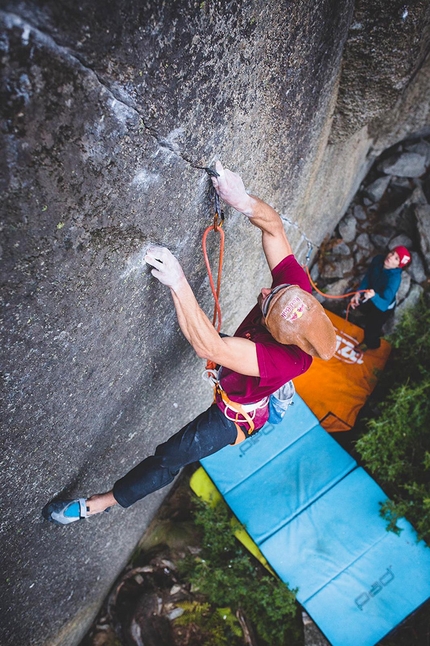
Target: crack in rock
point(117, 94)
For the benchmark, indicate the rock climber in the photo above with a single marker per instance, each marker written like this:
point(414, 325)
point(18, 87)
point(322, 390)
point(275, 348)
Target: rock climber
point(274, 344)
point(381, 282)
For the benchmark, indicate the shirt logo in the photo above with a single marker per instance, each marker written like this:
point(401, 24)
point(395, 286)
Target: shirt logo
point(294, 310)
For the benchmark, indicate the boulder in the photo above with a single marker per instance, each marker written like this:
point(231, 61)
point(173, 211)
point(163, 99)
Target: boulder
point(421, 147)
point(418, 195)
point(361, 256)
point(382, 236)
point(108, 118)
point(363, 241)
point(403, 240)
point(422, 214)
point(359, 212)
point(347, 228)
point(416, 268)
point(404, 287)
point(400, 182)
point(314, 272)
point(337, 267)
point(411, 300)
point(406, 221)
point(404, 165)
point(340, 249)
point(376, 189)
point(338, 287)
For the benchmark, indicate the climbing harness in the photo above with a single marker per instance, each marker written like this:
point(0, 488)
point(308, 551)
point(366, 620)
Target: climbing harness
point(240, 414)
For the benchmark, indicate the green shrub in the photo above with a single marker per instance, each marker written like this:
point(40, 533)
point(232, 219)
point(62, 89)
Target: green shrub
point(396, 446)
point(228, 576)
point(219, 628)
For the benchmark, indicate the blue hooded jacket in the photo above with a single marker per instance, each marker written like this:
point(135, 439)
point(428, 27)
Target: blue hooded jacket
point(385, 282)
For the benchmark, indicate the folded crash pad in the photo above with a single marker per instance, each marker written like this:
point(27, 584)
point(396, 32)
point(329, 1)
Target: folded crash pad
point(314, 515)
point(337, 389)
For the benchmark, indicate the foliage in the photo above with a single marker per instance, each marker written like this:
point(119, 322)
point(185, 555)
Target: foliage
point(219, 628)
point(227, 575)
point(396, 448)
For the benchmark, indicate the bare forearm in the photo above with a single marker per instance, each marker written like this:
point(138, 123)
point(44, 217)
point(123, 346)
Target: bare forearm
point(265, 218)
point(195, 325)
point(231, 189)
point(234, 353)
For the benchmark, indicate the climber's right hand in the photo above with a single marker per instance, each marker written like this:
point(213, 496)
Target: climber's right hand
point(166, 267)
point(231, 189)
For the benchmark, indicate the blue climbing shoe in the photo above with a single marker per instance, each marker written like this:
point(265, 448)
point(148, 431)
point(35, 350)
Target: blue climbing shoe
point(64, 512)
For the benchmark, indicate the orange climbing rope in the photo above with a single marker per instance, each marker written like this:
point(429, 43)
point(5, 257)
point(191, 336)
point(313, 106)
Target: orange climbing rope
point(216, 227)
point(357, 291)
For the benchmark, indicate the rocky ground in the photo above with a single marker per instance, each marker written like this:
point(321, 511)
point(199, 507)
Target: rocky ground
point(392, 207)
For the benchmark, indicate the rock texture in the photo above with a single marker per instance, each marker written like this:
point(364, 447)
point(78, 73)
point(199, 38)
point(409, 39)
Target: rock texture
point(108, 112)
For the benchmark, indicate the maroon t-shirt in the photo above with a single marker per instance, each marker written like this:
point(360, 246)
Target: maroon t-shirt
point(277, 363)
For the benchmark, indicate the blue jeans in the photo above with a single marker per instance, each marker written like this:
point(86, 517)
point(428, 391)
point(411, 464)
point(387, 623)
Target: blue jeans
point(206, 434)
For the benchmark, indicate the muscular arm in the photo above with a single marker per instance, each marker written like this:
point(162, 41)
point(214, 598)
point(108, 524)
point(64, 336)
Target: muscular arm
point(275, 243)
point(231, 190)
point(235, 353)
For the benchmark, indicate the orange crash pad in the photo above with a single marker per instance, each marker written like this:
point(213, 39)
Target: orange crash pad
point(336, 390)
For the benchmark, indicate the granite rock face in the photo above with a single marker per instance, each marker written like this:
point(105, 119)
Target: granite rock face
point(109, 111)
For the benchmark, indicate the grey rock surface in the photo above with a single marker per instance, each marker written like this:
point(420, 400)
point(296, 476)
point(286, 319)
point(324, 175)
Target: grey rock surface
point(422, 148)
point(108, 114)
point(416, 268)
point(341, 249)
point(411, 300)
point(401, 239)
point(404, 288)
point(404, 165)
point(382, 236)
point(417, 196)
point(312, 634)
point(363, 240)
point(337, 266)
point(422, 214)
point(338, 287)
point(348, 227)
point(359, 212)
point(376, 189)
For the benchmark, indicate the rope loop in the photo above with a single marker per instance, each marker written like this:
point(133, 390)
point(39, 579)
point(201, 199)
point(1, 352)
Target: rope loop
point(357, 291)
point(216, 227)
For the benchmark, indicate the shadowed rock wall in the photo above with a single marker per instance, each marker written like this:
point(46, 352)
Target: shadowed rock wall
point(109, 111)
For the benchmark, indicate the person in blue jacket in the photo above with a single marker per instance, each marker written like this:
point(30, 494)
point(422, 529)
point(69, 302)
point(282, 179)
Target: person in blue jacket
point(381, 282)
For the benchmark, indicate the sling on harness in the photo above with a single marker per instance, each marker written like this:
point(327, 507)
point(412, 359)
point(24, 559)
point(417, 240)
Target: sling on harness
point(233, 411)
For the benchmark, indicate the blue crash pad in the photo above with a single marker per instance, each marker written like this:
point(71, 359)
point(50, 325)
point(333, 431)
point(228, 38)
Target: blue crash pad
point(314, 514)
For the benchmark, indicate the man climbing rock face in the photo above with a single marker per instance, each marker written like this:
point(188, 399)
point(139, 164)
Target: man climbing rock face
point(274, 344)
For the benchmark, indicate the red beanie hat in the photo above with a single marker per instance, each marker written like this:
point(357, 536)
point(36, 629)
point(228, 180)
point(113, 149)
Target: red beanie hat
point(404, 255)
